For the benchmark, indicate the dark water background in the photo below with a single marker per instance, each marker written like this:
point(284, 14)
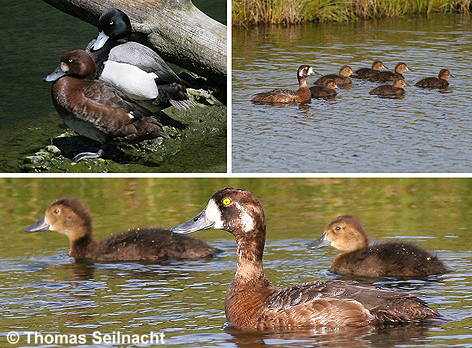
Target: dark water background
point(34, 36)
point(427, 131)
point(41, 288)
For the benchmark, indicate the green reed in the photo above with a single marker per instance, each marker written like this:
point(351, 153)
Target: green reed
point(249, 12)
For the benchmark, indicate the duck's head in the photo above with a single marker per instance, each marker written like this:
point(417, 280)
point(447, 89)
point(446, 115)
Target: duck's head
point(68, 216)
point(378, 65)
point(401, 67)
point(345, 71)
point(445, 74)
point(331, 84)
point(233, 210)
point(400, 83)
point(76, 63)
point(345, 233)
point(114, 24)
point(304, 71)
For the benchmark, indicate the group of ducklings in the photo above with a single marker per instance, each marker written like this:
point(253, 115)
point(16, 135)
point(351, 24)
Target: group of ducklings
point(252, 302)
point(325, 86)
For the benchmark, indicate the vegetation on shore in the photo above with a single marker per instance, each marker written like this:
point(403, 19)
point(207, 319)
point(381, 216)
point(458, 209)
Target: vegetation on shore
point(252, 12)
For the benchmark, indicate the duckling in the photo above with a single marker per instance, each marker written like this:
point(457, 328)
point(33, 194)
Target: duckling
point(302, 95)
point(436, 82)
point(347, 233)
point(395, 89)
point(70, 217)
point(328, 90)
point(342, 79)
point(252, 302)
point(95, 109)
point(384, 76)
point(365, 73)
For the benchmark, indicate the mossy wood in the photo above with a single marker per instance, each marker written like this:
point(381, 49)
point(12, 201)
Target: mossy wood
point(176, 29)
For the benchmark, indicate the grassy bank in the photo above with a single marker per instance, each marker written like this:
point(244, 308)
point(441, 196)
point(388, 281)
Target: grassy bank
point(250, 12)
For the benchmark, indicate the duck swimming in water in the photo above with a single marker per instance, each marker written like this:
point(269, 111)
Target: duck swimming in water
point(70, 217)
point(342, 79)
point(326, 91)
point(252, 302)
point(440, 82)
point(346, 233)
point(396, 89)
point(365, 73)
point(385, 76)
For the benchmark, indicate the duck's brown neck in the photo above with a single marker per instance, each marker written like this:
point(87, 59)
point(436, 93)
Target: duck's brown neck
point(82, 243)
point(302, 82)
point(250, 249)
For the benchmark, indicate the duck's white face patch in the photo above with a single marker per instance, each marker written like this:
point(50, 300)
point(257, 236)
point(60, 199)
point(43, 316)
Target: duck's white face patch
point(247, 221)
point(213, 214)
point(310, 71)
point(64, 67)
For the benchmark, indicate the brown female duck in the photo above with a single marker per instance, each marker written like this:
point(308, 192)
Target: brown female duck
point(384, 76)
point(252, 302)
point(302, 95)
point(347, 233)
point(365, 73)
point(70, 217)
point(328, 90)
point(436, 82)
point(95, 109)
point(342, 79)
point(395, 89)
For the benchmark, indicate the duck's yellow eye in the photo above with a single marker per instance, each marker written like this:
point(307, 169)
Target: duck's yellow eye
point(70, 60)
point(111, 22)
point(226, 201)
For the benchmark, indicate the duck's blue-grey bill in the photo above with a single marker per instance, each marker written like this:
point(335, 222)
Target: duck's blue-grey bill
point(55, 75)
point(100, 41)
point(319, 243)
point(40, 225)
point(198, 223)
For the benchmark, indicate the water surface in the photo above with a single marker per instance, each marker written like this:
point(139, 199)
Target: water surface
point(41, 288)
point(427, 131)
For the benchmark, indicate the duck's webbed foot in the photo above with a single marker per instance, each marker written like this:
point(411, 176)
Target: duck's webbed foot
point(88, 155)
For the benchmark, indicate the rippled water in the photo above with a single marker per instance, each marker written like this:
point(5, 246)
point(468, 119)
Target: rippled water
point(41, 288)
point(427, 131)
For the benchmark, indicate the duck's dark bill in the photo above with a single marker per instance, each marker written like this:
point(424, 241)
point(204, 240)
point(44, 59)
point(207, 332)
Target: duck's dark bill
point(56, 74)
point(100, 41)
point(40, 225)
point(198, 223)
point(319, 243)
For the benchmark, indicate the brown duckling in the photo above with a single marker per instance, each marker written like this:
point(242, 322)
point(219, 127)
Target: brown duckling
point(70, 217)
point(328, 90)
point(302, 95)
point(365, 73)
point(384, 76)
point(347, 233)
point(342, 79)
point(252, 302)
point(395, 89)
point(436, 82)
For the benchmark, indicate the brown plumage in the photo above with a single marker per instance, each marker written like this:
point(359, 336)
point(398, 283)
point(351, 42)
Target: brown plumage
point(252, 302)
point(395, 89)
point(384, 76)
point(436, 82)
point(342, 79)
point(328, 90)
point(70, 217)
point(347, 233)
point(301, 95)
point(365, 73)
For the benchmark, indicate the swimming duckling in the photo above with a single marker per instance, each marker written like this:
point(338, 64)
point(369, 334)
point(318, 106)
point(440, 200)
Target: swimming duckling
point(328, 90)
point(436, 82)
point(365, 73)
point(252, 302)
point(384, 76)
point(347, 233)
point(95, 109)
point(395, 89)
point(302, 95)
point(342, 79)
point(70, 217)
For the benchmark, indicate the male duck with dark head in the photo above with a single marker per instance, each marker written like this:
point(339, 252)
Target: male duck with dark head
point(302, 95)
point(252, 302)
point(326, 91)
point(347, 233)
point(365, 73)
point(396, 89)
point(95, 109)
point(384, 76)
point(436, 82)
point(133, 68)
point(342, 79)
point(70, 217)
